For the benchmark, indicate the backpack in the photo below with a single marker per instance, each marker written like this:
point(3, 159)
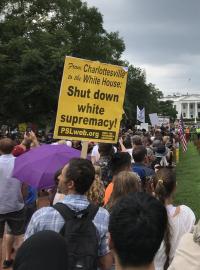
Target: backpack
point(80, 234)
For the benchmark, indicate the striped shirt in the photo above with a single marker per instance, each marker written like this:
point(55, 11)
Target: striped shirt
point(47, 218)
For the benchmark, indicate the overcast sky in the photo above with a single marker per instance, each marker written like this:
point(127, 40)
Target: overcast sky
point(161, 36)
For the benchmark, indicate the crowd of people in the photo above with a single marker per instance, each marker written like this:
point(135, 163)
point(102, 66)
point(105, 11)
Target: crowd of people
point(114, 210)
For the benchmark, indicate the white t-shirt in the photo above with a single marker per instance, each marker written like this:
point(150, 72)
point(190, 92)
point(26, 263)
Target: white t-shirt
point(187, 256)
point(180, 224)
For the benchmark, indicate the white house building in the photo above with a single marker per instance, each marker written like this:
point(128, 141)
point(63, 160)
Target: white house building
point(188, 105)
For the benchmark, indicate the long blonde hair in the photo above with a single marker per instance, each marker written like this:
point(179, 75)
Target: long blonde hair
point(96, 192)
point(124, 183)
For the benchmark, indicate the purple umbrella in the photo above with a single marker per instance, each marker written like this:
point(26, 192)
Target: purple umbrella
point(38, 166)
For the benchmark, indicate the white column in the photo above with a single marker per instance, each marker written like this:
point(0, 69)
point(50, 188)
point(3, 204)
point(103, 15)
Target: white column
point(196, 109)
point(179, 109)
point(188, 111)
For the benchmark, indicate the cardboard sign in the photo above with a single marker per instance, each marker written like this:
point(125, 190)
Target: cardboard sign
point(91, 100)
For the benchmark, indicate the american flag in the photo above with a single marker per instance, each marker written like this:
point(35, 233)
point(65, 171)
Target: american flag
point(181, 131)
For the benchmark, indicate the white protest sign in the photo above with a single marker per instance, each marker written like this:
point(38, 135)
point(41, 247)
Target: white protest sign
point(141, 115)
point(165, 121)
point(144, 126)
point(154, 119)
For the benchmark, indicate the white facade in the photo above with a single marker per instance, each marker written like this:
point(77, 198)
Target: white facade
point(188, 105)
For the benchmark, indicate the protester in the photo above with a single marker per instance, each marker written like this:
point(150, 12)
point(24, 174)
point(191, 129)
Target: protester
point(96, 192)
point(76, 178)
point(29, 141)
point(187, 134)
point(150, 157)
point(137, 226)
point(181, 218)
point(119, 162)
point(106, 152)
point(139, 167)
point(146, 141)
point(136, 140)
point(55, 194)
point(95, 155)
point(30, 193)
point(162, 156)
point(125, 183)
point(12, 211)
point(126, 145)
point(43, 250)
point(81, 190)
point(158, 134)
point(187, 255)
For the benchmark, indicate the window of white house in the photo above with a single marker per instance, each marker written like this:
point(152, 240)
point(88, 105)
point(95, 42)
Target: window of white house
point(184, 114)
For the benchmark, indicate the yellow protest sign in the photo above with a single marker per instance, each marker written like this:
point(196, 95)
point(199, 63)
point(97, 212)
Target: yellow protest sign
point(91, 100)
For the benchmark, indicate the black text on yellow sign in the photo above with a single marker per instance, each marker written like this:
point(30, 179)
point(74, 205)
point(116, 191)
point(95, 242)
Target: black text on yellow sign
point(91, 100)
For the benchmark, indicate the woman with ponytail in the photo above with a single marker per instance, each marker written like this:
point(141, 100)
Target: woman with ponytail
point(181, 218)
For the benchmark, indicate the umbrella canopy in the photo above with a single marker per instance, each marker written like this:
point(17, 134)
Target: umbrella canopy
point(38, 166)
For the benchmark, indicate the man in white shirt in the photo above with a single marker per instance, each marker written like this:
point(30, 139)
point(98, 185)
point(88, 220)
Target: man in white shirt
point(12, 210)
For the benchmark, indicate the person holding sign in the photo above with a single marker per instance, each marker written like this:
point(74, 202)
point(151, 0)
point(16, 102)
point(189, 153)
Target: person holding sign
point(91, 100)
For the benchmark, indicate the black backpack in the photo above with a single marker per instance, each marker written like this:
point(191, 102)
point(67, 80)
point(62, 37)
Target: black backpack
point(80, 234)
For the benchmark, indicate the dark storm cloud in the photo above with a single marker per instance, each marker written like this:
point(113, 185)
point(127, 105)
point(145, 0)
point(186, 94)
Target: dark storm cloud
point(161, 36)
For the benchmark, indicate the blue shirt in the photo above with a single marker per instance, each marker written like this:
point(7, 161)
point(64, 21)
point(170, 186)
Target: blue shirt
point(47, 218)
point(142, 170)
point(32, 195)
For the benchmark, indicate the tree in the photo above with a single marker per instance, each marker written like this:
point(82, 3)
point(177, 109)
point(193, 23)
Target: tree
point(35, 36)
point(139, 93)
point(166, 108)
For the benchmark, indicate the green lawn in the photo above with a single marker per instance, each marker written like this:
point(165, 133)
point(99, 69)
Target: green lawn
point(188, 180)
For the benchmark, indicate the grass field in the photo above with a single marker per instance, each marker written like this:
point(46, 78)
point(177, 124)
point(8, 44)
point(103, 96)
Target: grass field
point(188, 180)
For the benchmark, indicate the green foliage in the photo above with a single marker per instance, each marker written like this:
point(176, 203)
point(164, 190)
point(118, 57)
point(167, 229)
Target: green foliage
point(140, 93)
point(35, 36)
point(166, 108)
